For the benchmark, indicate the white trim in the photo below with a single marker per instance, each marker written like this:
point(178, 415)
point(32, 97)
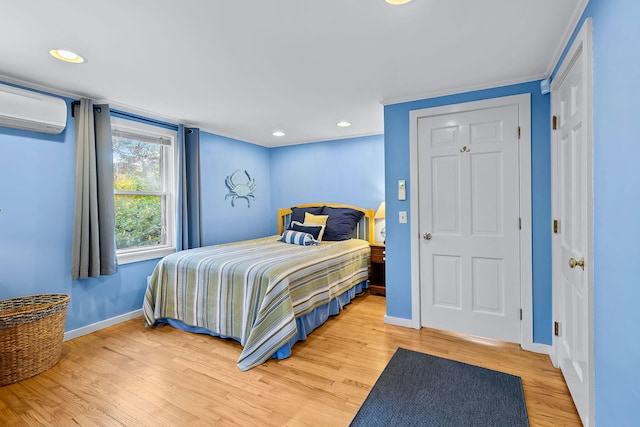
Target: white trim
point(170, 119)
point(128, 257)
point(540, 348)
point(464, 89)
point(169, 187)
point(85, 330)
point(132, 126)
point(39, 87)
point(74, 95)
point(581, 44)
point(399, 321)
point(571, 25)
point(523, 101)
point(526, 233)
point(281, 143)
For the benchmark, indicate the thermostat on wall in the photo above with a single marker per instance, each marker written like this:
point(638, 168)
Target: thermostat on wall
point(402, 191)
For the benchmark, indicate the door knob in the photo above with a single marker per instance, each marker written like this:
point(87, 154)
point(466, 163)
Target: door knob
point(426, 236)
point(574, 262)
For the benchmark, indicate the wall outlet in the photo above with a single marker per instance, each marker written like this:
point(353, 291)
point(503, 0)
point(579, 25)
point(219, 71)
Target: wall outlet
point(402, 217)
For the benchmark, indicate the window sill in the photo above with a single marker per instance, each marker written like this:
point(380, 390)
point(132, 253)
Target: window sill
point(128, 257)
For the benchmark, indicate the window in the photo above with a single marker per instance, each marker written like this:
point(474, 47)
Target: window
point(144, 190)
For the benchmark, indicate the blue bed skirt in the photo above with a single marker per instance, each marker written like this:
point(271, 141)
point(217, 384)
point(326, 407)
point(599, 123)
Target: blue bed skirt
point(305, 324)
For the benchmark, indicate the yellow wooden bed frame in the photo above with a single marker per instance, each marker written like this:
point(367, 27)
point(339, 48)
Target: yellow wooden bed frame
point(364, 229)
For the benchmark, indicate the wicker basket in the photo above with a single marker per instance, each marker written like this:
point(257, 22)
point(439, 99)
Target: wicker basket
point(31, 333)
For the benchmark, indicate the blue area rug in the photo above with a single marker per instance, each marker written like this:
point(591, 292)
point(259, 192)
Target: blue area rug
point(417, 389)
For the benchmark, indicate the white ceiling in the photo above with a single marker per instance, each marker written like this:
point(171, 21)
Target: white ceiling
point(245, 68)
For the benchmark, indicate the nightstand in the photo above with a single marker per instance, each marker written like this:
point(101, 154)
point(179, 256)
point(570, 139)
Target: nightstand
point(377, 277)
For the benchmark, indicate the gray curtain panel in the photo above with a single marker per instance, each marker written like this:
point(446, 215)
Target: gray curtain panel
point(94, 247)
point(189, 231)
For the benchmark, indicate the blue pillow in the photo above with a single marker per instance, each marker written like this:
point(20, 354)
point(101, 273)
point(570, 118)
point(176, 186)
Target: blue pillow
point(341, 223)
point(298, 238)
point(297, 214)
point(314, 230)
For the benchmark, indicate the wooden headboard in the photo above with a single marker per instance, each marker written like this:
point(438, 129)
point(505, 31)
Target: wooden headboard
point(364, 229)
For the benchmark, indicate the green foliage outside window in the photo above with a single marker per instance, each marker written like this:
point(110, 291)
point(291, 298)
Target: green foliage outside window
point(138, 218)
point(138, 221)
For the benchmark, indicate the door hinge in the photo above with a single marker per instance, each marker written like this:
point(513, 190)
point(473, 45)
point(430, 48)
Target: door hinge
point(556, 329)
point(554, 122)
point(520, 314)
point(556, 226)
point(519, 223)
point(518, 132)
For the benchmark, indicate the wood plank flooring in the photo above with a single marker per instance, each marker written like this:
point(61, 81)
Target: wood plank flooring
point(128, 375)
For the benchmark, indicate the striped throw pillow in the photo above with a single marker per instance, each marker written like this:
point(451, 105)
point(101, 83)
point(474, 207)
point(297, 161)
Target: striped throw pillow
point(298, 238)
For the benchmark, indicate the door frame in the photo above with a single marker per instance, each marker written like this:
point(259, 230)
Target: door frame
point(523, 101)
point(582, 44)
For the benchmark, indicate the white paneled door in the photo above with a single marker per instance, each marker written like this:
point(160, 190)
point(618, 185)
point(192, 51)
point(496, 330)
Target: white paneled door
point(469, 222)
point(572, 231)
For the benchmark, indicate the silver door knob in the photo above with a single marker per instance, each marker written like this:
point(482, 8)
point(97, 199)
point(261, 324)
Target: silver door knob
point(426, 235)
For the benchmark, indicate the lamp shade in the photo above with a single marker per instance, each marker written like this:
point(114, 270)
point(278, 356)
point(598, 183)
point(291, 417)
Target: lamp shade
point(380, 213)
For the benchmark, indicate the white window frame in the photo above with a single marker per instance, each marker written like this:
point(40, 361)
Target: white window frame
point(169, 179)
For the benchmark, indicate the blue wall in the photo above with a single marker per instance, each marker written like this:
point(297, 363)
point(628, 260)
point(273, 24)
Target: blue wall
point(219, 158)
point(36, 197)
point(349, 171)
point(397, 166)
point(616, 178)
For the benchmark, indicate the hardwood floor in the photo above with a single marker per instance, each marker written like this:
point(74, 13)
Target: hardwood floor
point(132, 376)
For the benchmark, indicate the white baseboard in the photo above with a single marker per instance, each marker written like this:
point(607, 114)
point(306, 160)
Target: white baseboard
point(554, 358)
point(399, 321)
point(69, 335)
point(537, 348)
point(409, 323)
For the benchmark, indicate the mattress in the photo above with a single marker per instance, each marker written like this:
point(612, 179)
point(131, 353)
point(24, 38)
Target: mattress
point(253, 291)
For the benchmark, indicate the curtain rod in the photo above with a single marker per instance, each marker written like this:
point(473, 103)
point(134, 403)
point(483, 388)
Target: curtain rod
point(126, 115)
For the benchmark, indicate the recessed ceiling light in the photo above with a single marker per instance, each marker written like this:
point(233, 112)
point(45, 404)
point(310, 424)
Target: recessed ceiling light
point(397, 2)
point(278, 133)
point(344, 124)
point(66, 56)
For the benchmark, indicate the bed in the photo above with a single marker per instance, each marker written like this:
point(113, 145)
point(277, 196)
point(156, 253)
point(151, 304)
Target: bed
point(271, 292)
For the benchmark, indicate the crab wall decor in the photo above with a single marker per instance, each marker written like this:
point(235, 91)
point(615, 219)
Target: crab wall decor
point(240, 191)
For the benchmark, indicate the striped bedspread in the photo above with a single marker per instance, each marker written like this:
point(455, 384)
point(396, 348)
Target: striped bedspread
point(253, 290)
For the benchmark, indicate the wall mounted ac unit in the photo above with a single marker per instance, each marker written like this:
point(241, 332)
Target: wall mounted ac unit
point(28, 110)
